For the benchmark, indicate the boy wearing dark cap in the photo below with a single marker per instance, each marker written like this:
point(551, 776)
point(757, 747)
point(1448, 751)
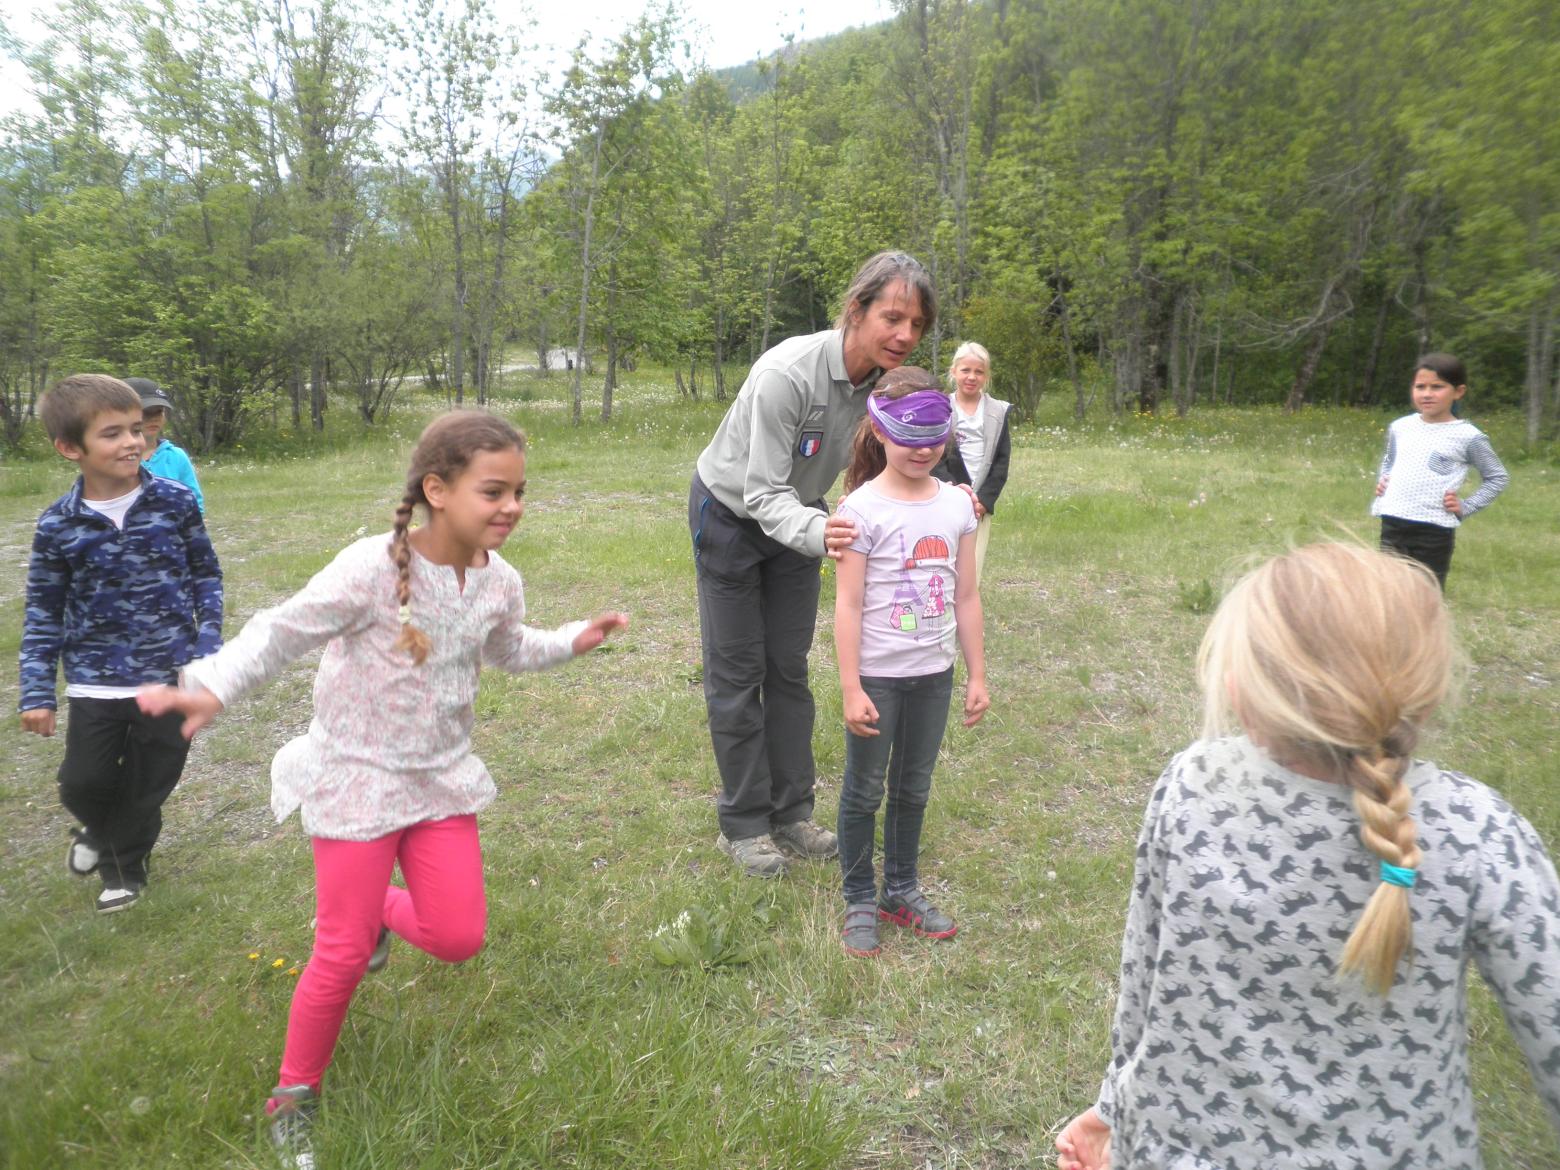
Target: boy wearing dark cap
point(124, 587)
point(165, 459)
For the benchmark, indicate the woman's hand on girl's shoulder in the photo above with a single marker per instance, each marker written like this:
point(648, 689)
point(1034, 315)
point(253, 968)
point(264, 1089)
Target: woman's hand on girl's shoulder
point(597, 629)
point(839, 533)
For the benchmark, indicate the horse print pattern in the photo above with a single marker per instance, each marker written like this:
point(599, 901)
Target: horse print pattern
point(1237, 1042)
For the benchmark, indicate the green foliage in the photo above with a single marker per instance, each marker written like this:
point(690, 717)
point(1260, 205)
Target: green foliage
point(1155, 204)
point(1197, 596)
point(705, 939)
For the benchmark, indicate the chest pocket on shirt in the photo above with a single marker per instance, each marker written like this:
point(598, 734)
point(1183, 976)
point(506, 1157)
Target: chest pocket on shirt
point(1442, 464)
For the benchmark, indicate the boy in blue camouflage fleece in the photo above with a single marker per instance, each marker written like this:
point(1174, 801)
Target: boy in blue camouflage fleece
point(125, 587)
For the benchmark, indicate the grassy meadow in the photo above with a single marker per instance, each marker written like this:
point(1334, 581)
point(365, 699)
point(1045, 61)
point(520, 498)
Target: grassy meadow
point(150, 1038)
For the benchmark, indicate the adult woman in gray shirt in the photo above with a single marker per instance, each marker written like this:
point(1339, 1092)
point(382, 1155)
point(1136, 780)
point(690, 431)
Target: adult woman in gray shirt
point(760, 528)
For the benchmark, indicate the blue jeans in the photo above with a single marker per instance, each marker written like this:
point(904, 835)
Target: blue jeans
point(912, 715)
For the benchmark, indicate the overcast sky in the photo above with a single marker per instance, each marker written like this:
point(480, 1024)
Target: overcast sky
point(729, 31)
point(721, 32)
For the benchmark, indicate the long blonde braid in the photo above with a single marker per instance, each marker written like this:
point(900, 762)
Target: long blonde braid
point(1383, 800)
point(1334, 657)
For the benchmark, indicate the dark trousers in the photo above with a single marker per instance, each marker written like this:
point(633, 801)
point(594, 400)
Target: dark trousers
point(120, 765)
point(758, 606)
point(1429, 544)
point(912, 714)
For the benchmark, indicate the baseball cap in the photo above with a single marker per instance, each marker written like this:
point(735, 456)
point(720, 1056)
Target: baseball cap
point(151, 393)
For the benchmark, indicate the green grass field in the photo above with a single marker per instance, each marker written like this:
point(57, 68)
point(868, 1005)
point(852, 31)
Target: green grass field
point(150, 1038)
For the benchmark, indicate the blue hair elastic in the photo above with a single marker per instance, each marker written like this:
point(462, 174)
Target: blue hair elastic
point(1396, 875)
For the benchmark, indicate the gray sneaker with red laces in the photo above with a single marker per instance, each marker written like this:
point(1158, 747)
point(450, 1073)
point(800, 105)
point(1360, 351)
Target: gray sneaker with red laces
point(913, 910)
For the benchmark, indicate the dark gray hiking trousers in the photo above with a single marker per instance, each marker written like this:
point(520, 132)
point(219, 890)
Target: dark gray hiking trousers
point(758, 606)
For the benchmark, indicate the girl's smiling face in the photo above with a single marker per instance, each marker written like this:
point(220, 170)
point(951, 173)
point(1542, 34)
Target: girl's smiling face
point(480, 508)
point(1433, 396)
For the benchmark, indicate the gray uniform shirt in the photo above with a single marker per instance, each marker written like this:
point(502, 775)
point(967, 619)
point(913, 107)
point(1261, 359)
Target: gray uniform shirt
point(787, 437)
point(1236, 1044)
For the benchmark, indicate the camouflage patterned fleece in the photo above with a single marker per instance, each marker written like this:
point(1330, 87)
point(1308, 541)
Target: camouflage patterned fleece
point(123, 607)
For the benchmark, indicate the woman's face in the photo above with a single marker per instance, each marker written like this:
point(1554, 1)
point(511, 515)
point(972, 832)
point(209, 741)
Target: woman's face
point(969, 377)
point(883, 334)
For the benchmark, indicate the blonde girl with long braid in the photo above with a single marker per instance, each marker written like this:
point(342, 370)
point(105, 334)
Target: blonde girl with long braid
point(385, 775)
point(1307, 896)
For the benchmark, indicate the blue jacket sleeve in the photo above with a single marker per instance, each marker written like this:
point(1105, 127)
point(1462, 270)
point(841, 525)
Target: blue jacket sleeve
point(43, 629)
point(205, 582)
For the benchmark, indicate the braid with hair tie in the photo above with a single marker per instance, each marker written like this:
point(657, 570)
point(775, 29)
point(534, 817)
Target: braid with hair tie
point(1383, 801)
point(412, 640)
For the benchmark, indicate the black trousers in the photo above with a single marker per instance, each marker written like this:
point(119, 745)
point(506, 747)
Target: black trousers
point(1429, 544)
point(758, 607)
point(120, 765)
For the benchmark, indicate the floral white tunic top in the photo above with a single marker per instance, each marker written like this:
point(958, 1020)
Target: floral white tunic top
point(390, 742)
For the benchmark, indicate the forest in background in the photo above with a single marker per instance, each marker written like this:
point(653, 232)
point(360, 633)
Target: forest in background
point(1144, 205)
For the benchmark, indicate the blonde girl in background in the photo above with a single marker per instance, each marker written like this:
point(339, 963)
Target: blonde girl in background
point(1307, 897)
point(977, 454)
point(385, 775)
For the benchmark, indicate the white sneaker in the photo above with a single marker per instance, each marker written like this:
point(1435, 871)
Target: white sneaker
point(111, 900)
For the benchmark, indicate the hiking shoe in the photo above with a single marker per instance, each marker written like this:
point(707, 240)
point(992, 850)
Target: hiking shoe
point(291, 1110)
point(81, 858)
point(114, 898)
point(757, 856)
point(914, 911)
point(807, 839)
point(380, 955)
point(860, 935)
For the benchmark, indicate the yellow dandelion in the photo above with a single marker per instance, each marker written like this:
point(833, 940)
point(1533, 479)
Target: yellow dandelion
point(253, 955)
point(292, 971)
point(279, 963)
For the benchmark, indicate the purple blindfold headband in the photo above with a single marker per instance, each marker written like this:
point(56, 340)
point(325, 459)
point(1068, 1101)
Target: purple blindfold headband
point(921, 419)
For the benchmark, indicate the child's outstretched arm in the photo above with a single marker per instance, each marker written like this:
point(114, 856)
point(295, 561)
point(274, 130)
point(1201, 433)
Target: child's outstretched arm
point(971, 621)
point(597, 629)
point(514, 646)
point(850, 585)
point(337, 600)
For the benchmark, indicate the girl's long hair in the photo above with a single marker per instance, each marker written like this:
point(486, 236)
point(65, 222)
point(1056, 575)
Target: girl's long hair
point(445, 447)
point(867, 459)
point(1333, 657)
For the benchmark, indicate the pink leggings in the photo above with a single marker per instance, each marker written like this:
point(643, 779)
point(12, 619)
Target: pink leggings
point(442, 911)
